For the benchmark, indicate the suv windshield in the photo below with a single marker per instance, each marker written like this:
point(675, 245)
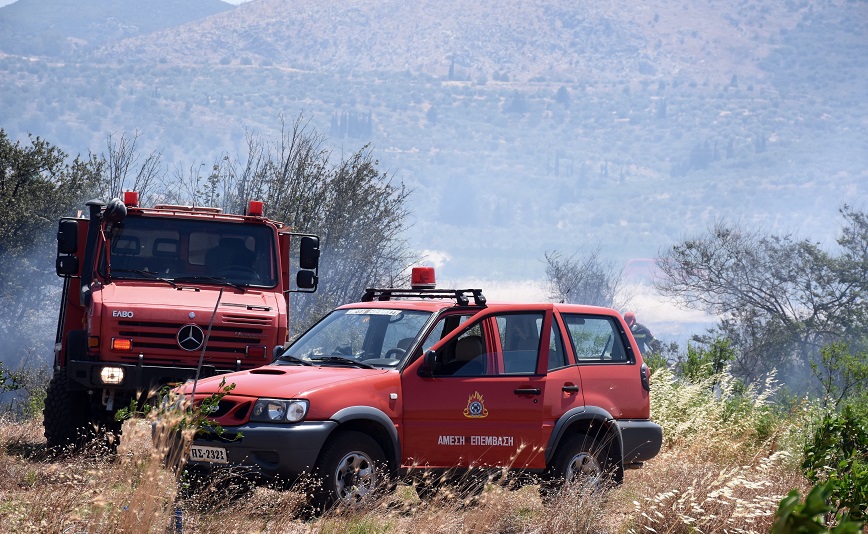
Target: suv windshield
point(194, 251)
point(375, 336)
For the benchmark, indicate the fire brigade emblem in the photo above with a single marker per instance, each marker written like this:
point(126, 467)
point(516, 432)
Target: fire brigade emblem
point(475, 407)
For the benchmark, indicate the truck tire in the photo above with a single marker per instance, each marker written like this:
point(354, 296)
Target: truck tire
point(351, 469)
point(66, 416)
point(580, 459)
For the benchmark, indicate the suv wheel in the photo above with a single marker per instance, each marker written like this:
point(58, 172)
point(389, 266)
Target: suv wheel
point(351, 468)
point(580, 459)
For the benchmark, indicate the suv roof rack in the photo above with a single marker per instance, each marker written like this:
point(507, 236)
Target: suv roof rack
point(461, 296)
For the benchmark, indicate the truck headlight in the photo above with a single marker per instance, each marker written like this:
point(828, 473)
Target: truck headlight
point(279, 411)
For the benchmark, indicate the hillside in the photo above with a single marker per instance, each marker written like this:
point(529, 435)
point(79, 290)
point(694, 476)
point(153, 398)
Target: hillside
point(521, 127)
point(63, 28)
point(551, 40)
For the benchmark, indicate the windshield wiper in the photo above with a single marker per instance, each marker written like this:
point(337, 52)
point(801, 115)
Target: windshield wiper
point(341, 359)
point(209, 280)
point(292, 359)
point(147, 274)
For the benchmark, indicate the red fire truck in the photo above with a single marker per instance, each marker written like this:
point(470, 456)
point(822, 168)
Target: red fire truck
point(436, 384)
point(146, 290)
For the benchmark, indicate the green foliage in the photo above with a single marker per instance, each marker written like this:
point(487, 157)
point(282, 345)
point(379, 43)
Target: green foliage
point(31, 382)
point(8, 379)
point(809, 516)
point(841, 375)
point(37, 186)
point(702, 363)
point(183, 414)
point(782, 298)
point(837, 456)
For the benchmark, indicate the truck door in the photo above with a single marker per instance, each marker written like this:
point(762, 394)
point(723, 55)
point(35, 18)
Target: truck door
point(479, 402)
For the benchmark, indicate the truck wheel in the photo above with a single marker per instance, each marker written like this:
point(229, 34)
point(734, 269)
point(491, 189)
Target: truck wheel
point(66, 417)
point(580, 459)
point(351, 469)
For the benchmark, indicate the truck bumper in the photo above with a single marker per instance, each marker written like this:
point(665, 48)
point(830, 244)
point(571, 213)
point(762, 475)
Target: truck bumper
point(273, 452)
point(136, 377)
point(641, 439)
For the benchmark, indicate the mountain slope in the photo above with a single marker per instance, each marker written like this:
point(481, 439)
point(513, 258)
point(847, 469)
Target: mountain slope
point(63, 27)
point(554, 40)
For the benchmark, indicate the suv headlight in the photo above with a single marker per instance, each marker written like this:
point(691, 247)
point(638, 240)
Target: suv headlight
point(279, 411)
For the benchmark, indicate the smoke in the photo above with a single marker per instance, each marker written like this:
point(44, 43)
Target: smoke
point(29, 306)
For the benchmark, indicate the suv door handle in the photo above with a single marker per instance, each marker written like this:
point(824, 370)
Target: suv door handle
point(528, 391)
point(571, 389)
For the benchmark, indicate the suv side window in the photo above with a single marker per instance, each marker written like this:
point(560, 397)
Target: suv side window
point(595, 339)
point(520, 339)
point(557, 354)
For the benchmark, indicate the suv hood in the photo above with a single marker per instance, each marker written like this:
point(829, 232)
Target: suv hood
point(286, 381)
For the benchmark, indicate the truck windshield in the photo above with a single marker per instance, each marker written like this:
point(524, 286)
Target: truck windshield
point(203, 251)
point(378, 337)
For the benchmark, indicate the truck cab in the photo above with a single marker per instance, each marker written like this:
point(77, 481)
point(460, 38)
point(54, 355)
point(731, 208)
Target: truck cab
point(156, 296)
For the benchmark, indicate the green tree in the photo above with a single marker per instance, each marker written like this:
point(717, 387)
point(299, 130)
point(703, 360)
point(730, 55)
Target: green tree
point(358, 211)
point(37, 186)
point(781, 299)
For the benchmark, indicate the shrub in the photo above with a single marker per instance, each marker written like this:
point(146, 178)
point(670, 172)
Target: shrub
point(837, 457)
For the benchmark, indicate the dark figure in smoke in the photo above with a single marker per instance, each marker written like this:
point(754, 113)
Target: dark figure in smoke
point(643, 336)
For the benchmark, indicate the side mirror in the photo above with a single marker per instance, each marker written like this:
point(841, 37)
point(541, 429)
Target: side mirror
point(309, 253)
point(66, 265)
point(306, 280)
point(67, 237)
point(429, 362)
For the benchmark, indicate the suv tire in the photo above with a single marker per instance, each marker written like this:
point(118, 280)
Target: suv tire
point(580, 459)
point(351, 468)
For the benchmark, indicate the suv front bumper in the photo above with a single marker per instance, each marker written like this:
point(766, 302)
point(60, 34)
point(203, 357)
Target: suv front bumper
point(270, 451)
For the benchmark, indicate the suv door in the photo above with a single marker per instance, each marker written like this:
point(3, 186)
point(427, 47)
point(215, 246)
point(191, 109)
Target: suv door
point(480, 402)
point(611, 374)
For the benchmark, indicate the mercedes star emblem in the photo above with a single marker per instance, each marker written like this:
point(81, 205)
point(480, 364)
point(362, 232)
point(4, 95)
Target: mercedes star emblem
point(190, 337)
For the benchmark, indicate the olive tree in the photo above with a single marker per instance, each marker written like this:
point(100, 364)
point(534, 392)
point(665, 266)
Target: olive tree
point(358, 211)
point(780, 298)
point(37, 185)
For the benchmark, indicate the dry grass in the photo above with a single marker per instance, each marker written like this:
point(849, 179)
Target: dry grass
point(94, 492)
point(697, 484)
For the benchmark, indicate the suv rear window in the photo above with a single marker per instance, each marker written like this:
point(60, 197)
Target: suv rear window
point(595, 338)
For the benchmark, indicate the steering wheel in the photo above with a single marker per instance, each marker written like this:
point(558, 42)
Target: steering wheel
point(398, 354)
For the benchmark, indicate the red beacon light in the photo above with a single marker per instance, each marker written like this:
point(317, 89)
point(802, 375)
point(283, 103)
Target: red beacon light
point(254, 208)
point(422, 278)
point(131, 198)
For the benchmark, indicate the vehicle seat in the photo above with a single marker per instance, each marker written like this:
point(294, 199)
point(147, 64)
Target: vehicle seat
point(230, 252)
point(469, 358)
point(165, 256)
point(125, 253)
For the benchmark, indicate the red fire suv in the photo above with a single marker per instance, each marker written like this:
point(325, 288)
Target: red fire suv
point(437, 382)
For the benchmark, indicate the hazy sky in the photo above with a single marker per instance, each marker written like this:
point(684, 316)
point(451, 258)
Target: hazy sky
point(236, 2)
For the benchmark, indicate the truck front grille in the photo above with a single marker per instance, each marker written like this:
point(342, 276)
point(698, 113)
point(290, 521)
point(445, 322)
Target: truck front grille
point(226, 342)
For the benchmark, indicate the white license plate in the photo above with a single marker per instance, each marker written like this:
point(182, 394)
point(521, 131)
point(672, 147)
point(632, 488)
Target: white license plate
point(198, 453)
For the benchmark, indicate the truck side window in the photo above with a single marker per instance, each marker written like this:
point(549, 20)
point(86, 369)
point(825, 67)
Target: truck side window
point(595, 339)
